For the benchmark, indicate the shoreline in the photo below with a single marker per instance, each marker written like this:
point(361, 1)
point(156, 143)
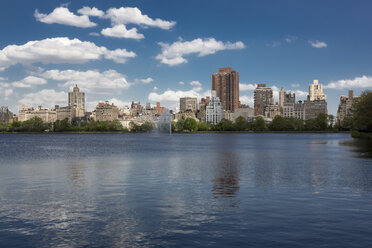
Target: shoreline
point(196, 132)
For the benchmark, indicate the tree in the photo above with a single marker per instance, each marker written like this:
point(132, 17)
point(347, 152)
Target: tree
point(147, 127)
point(259, 124)
point(363, 112)
point(190, 124)
point(101, 126)
point(34, 124)
point(115, 125)
point(15, 126)
point(240, 124)
point(279, 124)
point(134, 127)
point(202, 126)
point(347, 123)
point(179, 125)
point(62, 125)
point(320, 123)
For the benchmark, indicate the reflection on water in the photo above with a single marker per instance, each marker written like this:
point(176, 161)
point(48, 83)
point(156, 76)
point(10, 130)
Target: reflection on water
point(362, 148)
point(258, 190)
point(226, 181)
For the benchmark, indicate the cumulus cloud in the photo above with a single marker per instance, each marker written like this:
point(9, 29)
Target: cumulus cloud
point(88, 11)
point(290, 39)
point(295, 85)
point(357, 82)
point(62, 15)
point(46, 97)
point(318, 44)
point(128, 15)
point(120, 31)
point(155, 88)
point(173, 54)
point(5, 90)
point(59, 50)
point(246, 87)
point(195, 83)
point(247, 99)
point(89, 81)
point(145, 80)
point(181, 83)
point(29, 82)
point(94, 34)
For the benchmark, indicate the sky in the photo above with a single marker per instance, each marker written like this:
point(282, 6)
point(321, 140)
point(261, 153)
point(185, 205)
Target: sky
point(162, 50)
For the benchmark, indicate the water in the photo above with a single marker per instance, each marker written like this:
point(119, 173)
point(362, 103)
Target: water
point(195, 190)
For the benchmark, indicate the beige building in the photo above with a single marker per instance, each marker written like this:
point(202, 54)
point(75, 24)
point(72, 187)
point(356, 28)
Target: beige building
point(76, 102)
point(188, 103)
point(26, 113)
point(106, 112)
point(316, 92)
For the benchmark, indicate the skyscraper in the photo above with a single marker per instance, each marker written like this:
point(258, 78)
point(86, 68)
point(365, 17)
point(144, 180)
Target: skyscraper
point(316, 91)
point(226, 84)
point(76, 102)
point(263, 97)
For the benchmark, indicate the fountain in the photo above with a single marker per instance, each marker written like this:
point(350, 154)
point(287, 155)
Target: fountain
point(164, 124)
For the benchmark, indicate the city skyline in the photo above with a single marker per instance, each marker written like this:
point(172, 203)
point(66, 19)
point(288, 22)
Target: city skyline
point(162, 55)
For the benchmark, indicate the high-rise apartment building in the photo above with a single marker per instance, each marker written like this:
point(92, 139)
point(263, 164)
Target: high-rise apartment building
point(188, 103)
point(214, 111)
point(226, 84)
point(316, 92)
point(106, 112)
point(262, 98)
point(345, 107)
point(76, 103)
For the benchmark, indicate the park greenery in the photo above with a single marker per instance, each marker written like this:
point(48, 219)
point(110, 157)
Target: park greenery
point(360, 124)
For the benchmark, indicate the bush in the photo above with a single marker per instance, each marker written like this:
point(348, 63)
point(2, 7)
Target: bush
point(190, 124)
point(202, 126)
point(363, 112)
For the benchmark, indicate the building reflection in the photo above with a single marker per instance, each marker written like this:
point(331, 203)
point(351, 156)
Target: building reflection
point(226, 180)
point(76, 173)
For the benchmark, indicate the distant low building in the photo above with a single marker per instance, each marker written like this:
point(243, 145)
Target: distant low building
point(246, 113)
point(313, 108)
point(45, 114)
point(5, 114)
point(106, 112)
point(159, 110)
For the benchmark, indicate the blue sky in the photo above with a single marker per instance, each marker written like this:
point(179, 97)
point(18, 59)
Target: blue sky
point(161, 50)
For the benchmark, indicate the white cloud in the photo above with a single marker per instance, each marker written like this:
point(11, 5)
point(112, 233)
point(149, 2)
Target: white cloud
point(5, 89)
point(155, 88)
point(295, 85)
point(290, 39)
point(46, 97)
point(195, 83)
point(246, 87)
point(145, 80)
point(90, 11)
point(172, 54)
point(89, 81)
point(59, 50)
point(94, 34)
point(181, 83)
point(318, 44)
point(62, 15)
point(301, 94)
point(29, 82)
point(357, 82)
point(247, 99)
point(119, 103)
point(274, 44)
point(120, 31)
point(128, 15)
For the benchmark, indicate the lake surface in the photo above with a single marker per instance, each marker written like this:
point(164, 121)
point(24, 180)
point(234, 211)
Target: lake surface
point(196, 190)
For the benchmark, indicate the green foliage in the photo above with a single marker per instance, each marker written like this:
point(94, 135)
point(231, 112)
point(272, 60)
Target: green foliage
point(279, 124)
point(259, 124)
point(240, 124)
point(34, 124)
point(15, 126)
point(190, 124)
point(347, 123)
point(331, 121)
point(363, 112)
point(101, 126)
point(320, 123)
point(3, 126)
point(224, 125)
point(62, 125)
point(202, 126)
point(147, 127)
point(179, 125)
point(115, 125)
